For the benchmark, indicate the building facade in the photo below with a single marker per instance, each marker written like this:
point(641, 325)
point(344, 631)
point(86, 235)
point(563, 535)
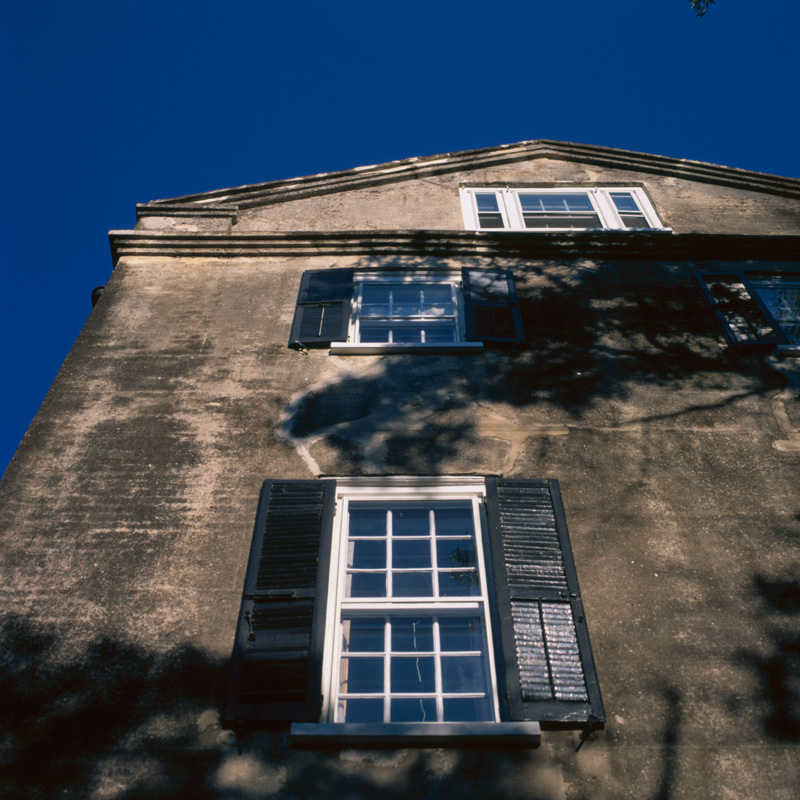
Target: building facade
point(304, 512)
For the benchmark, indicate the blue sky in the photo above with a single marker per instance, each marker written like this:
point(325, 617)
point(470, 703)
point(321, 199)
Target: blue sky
point(107, 104)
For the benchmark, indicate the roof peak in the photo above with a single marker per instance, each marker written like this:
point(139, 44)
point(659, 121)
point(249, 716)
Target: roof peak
point(405, 169)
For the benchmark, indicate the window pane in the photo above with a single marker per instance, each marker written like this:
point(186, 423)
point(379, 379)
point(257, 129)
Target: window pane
point(375, 332)
point(409, 333)
point(555, 202)
point(490, 221)
point(366, 584)
point(565, 221)
point(412, 635)
point(411, 554)
point(624, 202)
point(462, 674)
point(362, 675)
point(363, 635)
point(459, 584)
point(367, 554)
point(454, 521)
point(634, 221)
point(412, 584)
point(421, 709)
point(437, 299)
point(360, 710)
point(462, 634)
point(413, 674)
point(410, 521)
point(486, 201)
point(367, 522)
point(467, 709)
point(455, 553)
point(375, 299)
point(435, 334)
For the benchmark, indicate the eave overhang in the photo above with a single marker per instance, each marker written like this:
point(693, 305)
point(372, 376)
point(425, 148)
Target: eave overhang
point(644, 245)
point(261, 194)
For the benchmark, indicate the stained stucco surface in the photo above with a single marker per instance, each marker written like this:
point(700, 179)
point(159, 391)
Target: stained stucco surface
point(128, 511)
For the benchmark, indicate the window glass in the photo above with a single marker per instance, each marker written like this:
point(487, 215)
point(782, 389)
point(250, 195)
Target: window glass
point(781, 295)
point(407, 313)
point(489, 215)
point(429, 664)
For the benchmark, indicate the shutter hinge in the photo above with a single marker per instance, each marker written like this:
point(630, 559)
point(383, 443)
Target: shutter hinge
point(251, 635)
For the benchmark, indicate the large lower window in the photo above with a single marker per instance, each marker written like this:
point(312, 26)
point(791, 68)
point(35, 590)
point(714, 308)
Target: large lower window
point(412, 641)
point(558, 209)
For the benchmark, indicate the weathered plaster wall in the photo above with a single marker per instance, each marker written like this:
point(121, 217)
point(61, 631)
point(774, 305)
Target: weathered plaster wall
point(433, 203)
point(127, 515)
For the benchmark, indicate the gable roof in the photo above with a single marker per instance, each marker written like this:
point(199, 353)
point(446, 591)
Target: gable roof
point(226, 202)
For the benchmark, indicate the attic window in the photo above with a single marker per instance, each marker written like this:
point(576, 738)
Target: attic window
point(616, 208)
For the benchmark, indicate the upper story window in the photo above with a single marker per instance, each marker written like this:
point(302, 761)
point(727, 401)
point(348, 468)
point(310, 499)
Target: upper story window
point(406, 310)
point(558, 209)
point(754, 310)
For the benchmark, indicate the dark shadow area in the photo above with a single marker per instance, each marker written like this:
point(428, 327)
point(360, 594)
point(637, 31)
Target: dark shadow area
point(596, 332)
point(66, 720)
point(778, 673)
point(669, 743)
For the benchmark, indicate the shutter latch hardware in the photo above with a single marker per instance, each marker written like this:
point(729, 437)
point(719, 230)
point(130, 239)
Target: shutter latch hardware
point(251, 634)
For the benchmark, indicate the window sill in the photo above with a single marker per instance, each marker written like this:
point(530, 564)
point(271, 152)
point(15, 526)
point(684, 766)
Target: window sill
point(363, 349)
point(402, 734)
point(787, 350)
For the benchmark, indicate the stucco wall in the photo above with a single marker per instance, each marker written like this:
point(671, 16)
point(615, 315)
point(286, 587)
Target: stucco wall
point(128, 510)
point(433, 203)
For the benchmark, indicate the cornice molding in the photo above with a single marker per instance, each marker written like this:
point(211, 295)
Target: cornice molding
point(186, 210)
point(396, 171)
point(646, 245)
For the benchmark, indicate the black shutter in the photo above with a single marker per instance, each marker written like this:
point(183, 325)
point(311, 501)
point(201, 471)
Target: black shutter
point(550, 675)
point(276, 667)
point(740, 313)
point(491, 309)
point(322, 314)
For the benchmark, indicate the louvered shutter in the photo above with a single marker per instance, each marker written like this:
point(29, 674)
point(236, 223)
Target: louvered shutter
point(322, 314)
point(738, 310)
point(276, 668)
point(550, 675)
point(491, 309)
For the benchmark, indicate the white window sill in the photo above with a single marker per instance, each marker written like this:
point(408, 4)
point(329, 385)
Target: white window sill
point(408, 734)
point(363, 349)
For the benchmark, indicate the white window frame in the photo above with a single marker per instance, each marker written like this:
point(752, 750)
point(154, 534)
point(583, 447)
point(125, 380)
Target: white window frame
point(599, 196)
point(356, 347)
point(387, 491)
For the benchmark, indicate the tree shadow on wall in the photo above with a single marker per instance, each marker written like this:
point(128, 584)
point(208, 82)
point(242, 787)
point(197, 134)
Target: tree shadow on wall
point(778, 672)
point(116, 720)
point(598, 333)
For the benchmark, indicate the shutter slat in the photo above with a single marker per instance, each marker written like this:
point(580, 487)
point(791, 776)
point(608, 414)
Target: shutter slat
point(549, 669)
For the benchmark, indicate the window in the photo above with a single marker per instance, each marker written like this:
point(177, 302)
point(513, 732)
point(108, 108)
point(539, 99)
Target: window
point(557, 209)
point(412, 641)
point(415, 610)
point(397, 311)
point(754, 310)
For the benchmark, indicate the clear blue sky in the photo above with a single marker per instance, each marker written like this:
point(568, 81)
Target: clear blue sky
point(106, 104)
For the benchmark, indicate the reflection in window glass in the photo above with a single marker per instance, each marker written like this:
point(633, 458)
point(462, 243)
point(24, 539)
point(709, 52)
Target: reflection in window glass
point(781, 296)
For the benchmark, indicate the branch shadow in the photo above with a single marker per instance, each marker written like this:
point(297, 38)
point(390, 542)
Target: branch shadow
point(115, 705)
